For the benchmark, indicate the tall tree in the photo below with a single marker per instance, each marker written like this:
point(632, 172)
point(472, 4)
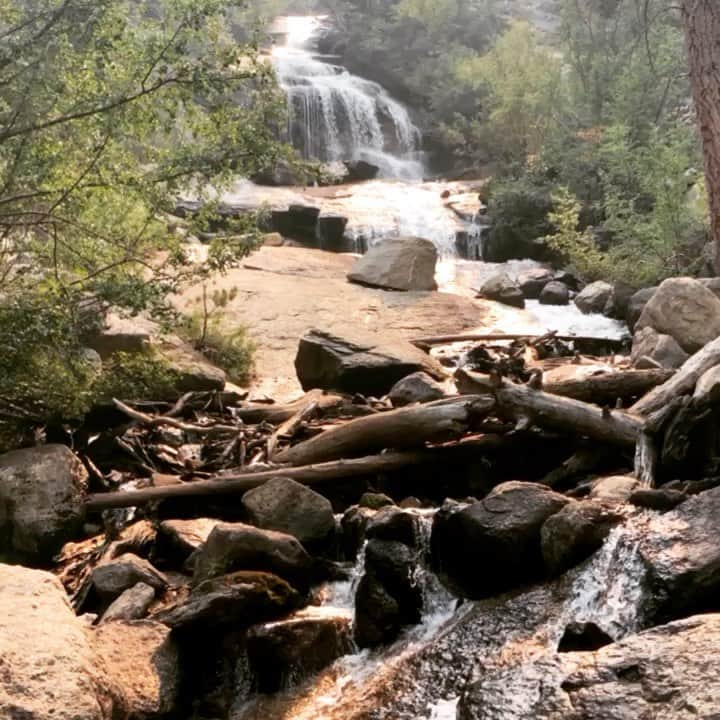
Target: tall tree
point(701, 19)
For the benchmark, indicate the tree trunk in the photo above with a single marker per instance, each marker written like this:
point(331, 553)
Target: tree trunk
point(701, 19)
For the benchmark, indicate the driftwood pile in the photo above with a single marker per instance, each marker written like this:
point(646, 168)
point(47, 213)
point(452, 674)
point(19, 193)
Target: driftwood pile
point(217, 444)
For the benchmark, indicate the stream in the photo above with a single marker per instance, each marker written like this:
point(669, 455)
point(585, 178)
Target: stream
point(336, 116)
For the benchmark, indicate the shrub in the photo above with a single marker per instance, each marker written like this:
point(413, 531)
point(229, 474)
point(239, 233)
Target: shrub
point(229, 349)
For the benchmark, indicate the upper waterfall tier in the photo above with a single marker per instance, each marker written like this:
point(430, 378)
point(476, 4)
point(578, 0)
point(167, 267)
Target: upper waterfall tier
point(334, 115)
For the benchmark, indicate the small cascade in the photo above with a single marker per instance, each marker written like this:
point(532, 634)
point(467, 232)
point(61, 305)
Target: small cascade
point(508, 640)
point(337, 116)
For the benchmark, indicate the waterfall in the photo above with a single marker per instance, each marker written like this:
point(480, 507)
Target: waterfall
point(337, 116)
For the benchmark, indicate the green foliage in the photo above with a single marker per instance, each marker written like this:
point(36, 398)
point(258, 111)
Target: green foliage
point(105, 120)
point(522, 81)
point(578, 248)
point(134, 376)
point(229, 349)
point(47, 375)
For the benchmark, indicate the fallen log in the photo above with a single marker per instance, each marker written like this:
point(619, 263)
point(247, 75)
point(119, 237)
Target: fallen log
point(607, 387)
point(526, 404)
point(253, 413)
point(427, 342)
point(309, 475)
point(407, 427)
point(290, 427)
point(682, 383)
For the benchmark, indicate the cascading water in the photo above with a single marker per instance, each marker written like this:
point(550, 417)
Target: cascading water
point(504, 640)
point(337, 116)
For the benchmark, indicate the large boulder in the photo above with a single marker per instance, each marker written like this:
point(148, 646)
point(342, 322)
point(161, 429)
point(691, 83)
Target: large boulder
point(124, 334)
point(48, 667)
point(531, 282)
point(495, 544)
point(636, 304)
point(357, 362)
point(405, 263)
point(672, 672)
point(236, 546)
point(143, 659)
point(597, 297)
point(416, 388)
point(555, 293)
point(238, 599)
point(661, 350)
point(42, 491)
point(284, 652)
point(681, 550)
point(388, 596)
point(576, 532)
point(360, 170)
point(684, 309)
point(501, 288)
point(289, 507)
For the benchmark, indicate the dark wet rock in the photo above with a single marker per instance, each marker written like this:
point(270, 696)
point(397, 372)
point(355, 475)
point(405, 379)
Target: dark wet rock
point(583, 636)
point(681, 550)
point(284, 652)
point(686, 310)
point(388, 598)
point(331, 233)
point(42, 491)
point(111, 578)
point(636, 304)
point(48, 667)
point(356, 362)
point(236, 546)
point(405, 263)
point(662, 499)
point(359, 170)
point(670, 672)
point(568, 279)
point(663, 350)
point(238, 599)
point(298, 222)
point(531, 282)
point(287, 506)
point(495, 544)
point(574, 533)
point(143, 659)
point(132, 604)
point(416, 388)
point(392, 523)
point(555, 293)
point(597, 297)
point(501, 288)
point(377, 613)
point(375, 501)
point(353, 526)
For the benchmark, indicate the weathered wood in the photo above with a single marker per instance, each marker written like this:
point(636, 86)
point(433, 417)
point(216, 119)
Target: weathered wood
point(682, 383)
point(253, 413)
point(403, 428)
point(582, 463)
point(554, 412)
point(290, 426)
point(607, 387)
point(310, 475)
point(646, 460)
point(427, 342)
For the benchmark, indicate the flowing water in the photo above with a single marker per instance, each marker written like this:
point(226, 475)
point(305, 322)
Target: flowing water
point(337, 116)
point(423, 675)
